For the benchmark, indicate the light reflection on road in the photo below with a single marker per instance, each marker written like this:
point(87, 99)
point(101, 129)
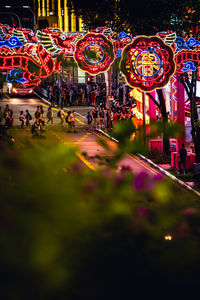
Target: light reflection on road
point(23, 101)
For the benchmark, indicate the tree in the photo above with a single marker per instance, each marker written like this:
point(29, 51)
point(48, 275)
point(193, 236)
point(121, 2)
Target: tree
point(129, 15)
point(158, 15)
point(189, 83)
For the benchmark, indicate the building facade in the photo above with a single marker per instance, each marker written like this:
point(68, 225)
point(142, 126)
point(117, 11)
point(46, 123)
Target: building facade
point(57, 14)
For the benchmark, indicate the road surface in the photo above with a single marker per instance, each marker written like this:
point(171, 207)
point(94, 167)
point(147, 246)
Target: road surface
point(86, 141)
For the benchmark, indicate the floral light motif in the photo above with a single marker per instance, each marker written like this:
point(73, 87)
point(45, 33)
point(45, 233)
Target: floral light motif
point(147, 63)
point(94, 53)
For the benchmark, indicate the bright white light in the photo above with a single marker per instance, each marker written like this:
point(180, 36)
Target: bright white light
point(8, 6)
point(168, 237)
point(198, 89)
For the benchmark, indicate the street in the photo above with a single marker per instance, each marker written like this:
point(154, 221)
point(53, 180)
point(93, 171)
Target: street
point(91, 153)
point(86, 141)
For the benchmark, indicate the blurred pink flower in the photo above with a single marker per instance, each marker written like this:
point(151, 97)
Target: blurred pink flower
point(189, 212)
point(126, 169)
point(143, 181)
point(76, 167)
point(119, 179)
point(143, 211)
point(107, 173)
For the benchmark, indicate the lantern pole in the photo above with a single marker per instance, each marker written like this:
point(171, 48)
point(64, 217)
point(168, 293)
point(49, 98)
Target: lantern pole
point(144, 117)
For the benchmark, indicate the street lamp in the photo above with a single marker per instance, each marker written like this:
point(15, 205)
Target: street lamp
point(34, 17)
point(12, 13)
point(27, 7)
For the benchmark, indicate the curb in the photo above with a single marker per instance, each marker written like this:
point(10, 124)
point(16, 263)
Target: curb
point(155, 166)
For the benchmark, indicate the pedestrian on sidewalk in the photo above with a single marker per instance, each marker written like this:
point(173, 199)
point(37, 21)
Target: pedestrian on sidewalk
point(28, 117)
point(50, 115)
point(182, 157)
point(89, 120)
point(21, 118)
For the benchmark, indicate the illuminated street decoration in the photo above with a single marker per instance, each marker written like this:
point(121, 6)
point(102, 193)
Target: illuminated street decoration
point(123, 36)
point(33, 67)
point(168, 37)
point(103, 30)
point(188, 66)
point(147, 63)
point(121, 42)
point(64, 42)
point(16, 75)
point(94, 53)
point(185, 60)
point(181, 44)
point(47, 43)
point(25, 35)
point(13, 42)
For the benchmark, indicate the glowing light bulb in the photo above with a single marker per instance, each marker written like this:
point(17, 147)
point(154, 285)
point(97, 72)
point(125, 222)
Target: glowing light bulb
point(168, 237)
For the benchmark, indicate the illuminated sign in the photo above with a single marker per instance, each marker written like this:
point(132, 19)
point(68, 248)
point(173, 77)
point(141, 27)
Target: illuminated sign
point(147, 63)
point(94, 53)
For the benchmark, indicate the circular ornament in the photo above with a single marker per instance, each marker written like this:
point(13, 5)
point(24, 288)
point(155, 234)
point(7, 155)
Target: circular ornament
point(94, 53)
point(147, 63)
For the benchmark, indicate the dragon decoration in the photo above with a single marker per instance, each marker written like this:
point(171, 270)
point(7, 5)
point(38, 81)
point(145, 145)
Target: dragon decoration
point(32, 56)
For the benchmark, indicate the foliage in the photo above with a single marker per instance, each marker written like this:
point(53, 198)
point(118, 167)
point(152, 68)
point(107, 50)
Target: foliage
point(2, 80)
point(128, 15)
point(33, 68)
point(71, 233)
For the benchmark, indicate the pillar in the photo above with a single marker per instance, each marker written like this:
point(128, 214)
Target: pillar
point(152, 108)
point(180, 109)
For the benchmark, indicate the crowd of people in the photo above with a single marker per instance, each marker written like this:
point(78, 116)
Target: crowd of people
point(75, 95)
point(102, 117)
point(90, 94)
point(99, 117)
point(7, 120)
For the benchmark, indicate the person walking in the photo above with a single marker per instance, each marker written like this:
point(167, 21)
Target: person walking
point(95, 117)
point(41, 117)
point(28, 117)
point(6, 114)
point(182, 157)
point(101, 118)
point(50, 115)
point(68, 120)
point(21, 118)
point(89, 120)
point(62, 117)
point(37, 113)
point(72, 118)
